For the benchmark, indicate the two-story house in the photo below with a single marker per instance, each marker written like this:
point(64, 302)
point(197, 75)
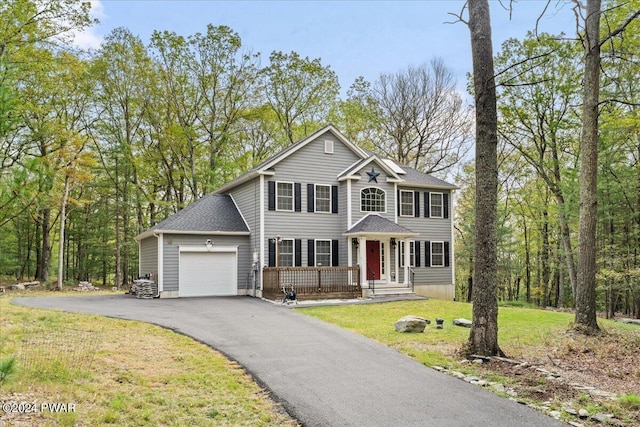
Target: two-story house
point(321, 204)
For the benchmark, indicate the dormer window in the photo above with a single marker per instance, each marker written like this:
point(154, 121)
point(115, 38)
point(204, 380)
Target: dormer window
point(372, 200)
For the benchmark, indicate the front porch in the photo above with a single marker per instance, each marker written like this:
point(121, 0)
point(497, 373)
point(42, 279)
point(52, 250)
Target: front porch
point(312, 282)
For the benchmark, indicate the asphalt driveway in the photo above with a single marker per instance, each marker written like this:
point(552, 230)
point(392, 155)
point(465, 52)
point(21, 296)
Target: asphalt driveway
point(323, 375)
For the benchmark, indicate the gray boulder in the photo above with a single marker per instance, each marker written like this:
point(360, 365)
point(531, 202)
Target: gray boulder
point(412, 324)
point(462, 322)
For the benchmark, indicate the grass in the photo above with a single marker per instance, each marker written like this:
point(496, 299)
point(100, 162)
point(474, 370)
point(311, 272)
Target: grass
point(540, 337)
point(123, 373)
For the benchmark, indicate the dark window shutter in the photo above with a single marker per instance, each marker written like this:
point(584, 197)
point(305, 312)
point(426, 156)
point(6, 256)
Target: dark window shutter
point(298, 253)
point(445, 205)
point(416, 247)
point(311, 253)
point(398, 201)
point(427, 254)
point(416, 204)
point(334, 199)
point(272, 253)
point(446, 254)
point(297, 196)
point(271, 185)
point(334, 253)
point(310, 198)
point(427, 206)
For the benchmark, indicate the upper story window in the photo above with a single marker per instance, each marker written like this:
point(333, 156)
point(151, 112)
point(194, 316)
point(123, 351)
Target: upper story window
point(284, 196)
point(436, 205)
point(406, 203)
point(372, 200)
point(323, 198)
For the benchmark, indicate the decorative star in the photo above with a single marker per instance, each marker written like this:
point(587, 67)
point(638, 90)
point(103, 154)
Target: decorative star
point(373, 175)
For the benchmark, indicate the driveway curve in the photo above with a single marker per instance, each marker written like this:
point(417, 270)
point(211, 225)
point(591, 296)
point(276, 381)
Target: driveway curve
point(323, 375)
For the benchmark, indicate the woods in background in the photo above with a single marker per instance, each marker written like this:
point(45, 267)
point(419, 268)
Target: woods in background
point(97, 146)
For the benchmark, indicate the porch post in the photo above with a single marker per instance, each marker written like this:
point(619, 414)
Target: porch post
point(407, 261)
point(362, 256)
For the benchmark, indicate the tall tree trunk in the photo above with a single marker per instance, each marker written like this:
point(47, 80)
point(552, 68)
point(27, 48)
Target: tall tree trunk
point(544, 258)
point(44, 260)
point(63, 223)
point(585, 318)
point(483, 338)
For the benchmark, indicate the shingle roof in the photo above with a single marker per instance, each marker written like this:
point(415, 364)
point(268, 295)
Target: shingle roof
point(375, 224)
point(211, 213)
point(414, 176)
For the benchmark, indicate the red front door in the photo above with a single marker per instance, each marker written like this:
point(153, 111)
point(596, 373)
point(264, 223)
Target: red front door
point(373, 260)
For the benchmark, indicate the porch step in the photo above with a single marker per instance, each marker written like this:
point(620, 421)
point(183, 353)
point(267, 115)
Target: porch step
point(387, 291)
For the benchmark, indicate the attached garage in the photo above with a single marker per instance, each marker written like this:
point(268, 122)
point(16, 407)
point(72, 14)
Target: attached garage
point(202, 250)
point(207, 273)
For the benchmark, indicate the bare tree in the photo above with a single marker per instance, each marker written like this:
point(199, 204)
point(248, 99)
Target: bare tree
point(483, 338)
point(422, 117)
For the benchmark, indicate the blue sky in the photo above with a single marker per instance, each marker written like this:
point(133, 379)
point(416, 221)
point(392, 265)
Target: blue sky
point(354, 37)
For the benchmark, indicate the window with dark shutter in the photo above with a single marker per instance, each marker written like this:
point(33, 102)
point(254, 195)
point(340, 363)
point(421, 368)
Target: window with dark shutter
point(311, 253)
point(271, 190)
point(334, 199)
point(298, 253)
point(272, 253)
point(427, 254)
point(297, 191)
point(445, 205)
point(446, 254)
point(427, 210)
point(310, 197)
point(334, 253)
point(417, 250)
point(416, 204)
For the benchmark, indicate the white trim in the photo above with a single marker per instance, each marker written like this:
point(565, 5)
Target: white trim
point(443, 254)
point(204, 248)
point(293, 196)
point(139, 258)
point(328, 146)
point(358, 168)
point(155, 232)
point(241, 214)
point(315, 252)
point(160, 272)
point(441, 205)
point(452, 243)
point(384, 204)
point(349, 205)
point(315, 197)
point(262, 241)
point(413, 203)
point(395, 205)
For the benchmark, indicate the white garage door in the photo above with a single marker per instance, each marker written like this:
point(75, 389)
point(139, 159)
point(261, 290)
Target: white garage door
point(207, 274)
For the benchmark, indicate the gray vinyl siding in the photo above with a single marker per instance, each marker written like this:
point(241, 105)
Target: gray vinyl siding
point(430, 229)
point(171, 255)
point(247, 198)
point(148, 256)
point(311, 165)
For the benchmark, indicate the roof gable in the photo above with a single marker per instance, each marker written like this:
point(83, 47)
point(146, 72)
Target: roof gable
point(265, 167)
point(352, 172)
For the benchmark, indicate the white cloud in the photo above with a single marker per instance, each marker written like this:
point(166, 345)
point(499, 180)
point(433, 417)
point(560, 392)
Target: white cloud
point(90, 38)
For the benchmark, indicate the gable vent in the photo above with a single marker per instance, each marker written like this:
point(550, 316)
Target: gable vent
point(328, 147)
